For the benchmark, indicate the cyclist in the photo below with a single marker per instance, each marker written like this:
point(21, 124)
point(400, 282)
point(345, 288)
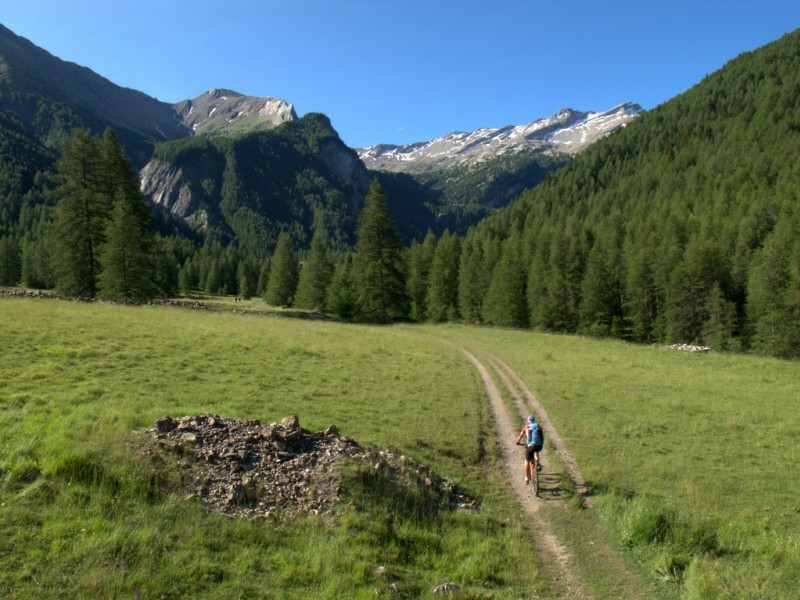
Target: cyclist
point(534, 440)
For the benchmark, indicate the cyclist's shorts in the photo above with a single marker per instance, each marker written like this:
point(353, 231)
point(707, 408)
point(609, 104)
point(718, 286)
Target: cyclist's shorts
point(529, 450)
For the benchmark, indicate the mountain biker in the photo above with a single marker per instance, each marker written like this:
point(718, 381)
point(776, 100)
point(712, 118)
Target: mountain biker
point(534, 440)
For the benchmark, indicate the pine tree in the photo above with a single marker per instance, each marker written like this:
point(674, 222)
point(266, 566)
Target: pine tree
point(94, 176)
point(690, 289)
point(248, 278)
point(10, 262)
point(341, 293)
point(378, 265)
point(166, 273)
point(420, 261)
point(283, 273)
point(315, 276)
point(443, 290)
point(471, 290)
point(214, 281)
point(506, 300)
point(643, 299)
point(127, 257)
point(602, 291)
point(773, 300)
point(263, 278)
point(186, 281)
point(81, 215)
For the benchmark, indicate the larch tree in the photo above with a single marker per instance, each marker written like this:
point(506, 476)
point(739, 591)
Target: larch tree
point(506, 300)
point(128, 255)
point(341, 293)
point(81, 215)
point(471, 288)
point(378, 265)
point(10, 262)
point(443, 289)
point(315, 276)
point(420, 260)
point(283, 273)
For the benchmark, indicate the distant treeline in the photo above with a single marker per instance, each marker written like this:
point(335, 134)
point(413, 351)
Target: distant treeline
point(682, 227)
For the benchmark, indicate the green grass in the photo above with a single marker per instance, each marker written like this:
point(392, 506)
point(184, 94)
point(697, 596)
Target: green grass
point(84, 514)
point(693, 457)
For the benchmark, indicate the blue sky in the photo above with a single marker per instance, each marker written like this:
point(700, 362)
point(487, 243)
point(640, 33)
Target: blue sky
point(389, 71)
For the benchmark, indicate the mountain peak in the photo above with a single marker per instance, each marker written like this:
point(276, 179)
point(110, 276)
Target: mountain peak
point(566, 131)
point(223, 111)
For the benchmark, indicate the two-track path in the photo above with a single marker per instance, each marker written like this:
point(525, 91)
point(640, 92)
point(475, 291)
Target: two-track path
point(556, 559)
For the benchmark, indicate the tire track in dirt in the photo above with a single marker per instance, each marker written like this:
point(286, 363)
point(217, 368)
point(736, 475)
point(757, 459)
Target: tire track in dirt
point(629, 585)
point(555, 559)
point(530, 402)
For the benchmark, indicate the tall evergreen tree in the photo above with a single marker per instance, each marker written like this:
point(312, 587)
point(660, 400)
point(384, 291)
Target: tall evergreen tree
point(36, 272)
point(774, 293)
point(283, 273)
point(471, 290)
point(10, 261)
point(506, 300)
point(420, 260)
point(315, 276)
point(263, 278)
point(443, 290)
point(643, 298)
point(342, 293)
point(214, 280)
point(248, 278)
point(702, 270)
point(128, 255)
point(188, 277)
point(81, 215)
point(378, 266)
point(94, 175)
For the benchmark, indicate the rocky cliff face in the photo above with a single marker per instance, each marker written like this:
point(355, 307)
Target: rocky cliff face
point(293, 177)
point(568, 131)
point(226, 111)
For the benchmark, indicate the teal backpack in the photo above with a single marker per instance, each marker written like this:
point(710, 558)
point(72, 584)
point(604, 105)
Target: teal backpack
point(535, 434)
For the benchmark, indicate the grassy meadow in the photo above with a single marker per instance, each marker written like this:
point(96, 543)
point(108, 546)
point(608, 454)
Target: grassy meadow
point(84, 514)
point(693, 457)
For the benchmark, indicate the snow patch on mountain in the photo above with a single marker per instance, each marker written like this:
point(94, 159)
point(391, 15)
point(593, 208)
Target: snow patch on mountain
point(223, 108)
point(567, 131)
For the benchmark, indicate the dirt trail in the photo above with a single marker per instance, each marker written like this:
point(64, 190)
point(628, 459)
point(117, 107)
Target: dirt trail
point(554, 555)
point(557, 560)
point(529, 403)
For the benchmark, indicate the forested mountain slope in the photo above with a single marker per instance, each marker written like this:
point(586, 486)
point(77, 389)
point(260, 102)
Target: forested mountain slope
point(683, 226)
point(51, 97)
point(297, 177)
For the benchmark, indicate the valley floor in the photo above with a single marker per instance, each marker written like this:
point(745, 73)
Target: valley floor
point(560, 475)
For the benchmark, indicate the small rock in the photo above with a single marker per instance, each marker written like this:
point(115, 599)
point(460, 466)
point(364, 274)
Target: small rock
point(290, 422)
point(292, 435)
point(165, 425)
point(446, 589)
point(238, 494)
point(332, 430)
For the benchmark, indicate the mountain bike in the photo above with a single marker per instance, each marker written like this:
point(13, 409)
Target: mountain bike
point(535, 467)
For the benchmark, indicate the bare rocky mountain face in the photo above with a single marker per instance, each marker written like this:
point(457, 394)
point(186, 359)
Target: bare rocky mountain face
point(567, 132)
point(225, 111)
point(245, 469)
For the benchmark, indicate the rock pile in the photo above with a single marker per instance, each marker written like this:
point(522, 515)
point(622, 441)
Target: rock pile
point(689, 348)
point(245, 469)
